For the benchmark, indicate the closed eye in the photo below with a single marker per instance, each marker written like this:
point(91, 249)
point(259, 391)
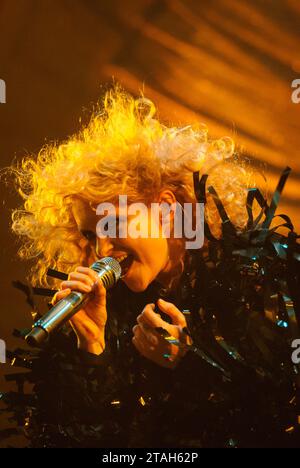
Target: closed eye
point(89, 235)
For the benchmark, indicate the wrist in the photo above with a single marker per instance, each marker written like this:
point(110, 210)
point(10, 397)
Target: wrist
point(93, 347)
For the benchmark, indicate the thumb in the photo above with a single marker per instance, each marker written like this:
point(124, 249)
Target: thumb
point(100, 293)
point(171, 310)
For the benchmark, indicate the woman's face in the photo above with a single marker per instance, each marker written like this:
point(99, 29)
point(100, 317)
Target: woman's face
point(145, 259)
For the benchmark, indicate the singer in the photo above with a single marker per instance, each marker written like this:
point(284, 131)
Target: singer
point(191, 348)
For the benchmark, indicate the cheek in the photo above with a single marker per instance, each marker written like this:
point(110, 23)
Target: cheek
point(153, 261)
point(153, 255)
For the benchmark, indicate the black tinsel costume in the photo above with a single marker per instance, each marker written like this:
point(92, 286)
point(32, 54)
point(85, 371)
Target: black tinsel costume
point(237, 385)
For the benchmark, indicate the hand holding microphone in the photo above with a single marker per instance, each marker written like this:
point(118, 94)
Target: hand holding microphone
point(89, 322)
point(82, 300)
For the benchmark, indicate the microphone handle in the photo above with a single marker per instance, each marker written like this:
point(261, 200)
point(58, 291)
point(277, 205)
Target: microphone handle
point(108, 270)
point(56, 317)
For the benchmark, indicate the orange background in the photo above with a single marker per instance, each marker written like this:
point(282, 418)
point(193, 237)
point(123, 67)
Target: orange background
point(227, 63)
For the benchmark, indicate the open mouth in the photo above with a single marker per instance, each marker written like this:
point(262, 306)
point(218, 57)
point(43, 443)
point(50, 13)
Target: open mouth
point(125, 261)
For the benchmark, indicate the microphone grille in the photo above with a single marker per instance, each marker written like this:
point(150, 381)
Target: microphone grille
point(110, 264)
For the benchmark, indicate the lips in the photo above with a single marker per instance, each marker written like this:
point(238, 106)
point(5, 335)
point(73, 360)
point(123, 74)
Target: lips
point(126, 264)
point(125, 260)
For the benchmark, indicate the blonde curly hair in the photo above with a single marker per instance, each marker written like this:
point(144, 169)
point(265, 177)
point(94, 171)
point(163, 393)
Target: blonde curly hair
point(124, 149)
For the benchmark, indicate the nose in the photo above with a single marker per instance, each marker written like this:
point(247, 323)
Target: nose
point(104, 247)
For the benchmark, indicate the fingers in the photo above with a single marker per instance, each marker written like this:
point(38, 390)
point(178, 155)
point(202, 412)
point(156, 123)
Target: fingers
point(158, 351)
point(88, 272)
point(139, 346)
point(171, 310)
point(149, 318)
point(97, 285)
point(76, 286)
point(84, 278)
point(143, 341)
point(60, 295)
point(160, 346)
point(146, 336)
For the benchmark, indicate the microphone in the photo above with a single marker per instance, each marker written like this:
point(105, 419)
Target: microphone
point(109, 272)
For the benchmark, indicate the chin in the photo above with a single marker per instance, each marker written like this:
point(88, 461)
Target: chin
point(137, 281)
point(136, 285)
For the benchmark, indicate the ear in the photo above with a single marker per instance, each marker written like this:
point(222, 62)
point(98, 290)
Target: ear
point(167, 197)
